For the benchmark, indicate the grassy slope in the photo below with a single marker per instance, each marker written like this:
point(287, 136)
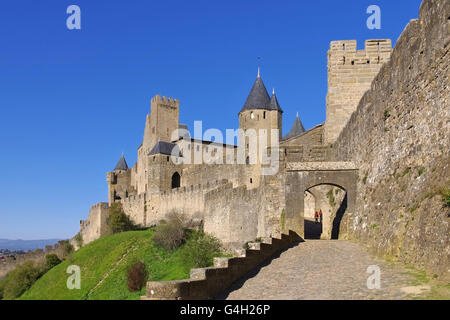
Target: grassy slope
point(107, 259)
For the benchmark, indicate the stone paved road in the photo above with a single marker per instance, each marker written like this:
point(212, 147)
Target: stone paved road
point(320, 269)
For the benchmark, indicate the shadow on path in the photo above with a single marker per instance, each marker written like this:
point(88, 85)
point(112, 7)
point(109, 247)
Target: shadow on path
point(313, 230)
point(239, 283)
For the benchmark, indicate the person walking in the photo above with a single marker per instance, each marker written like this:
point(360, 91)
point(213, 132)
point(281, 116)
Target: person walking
point(320, 216)
point(316, 217)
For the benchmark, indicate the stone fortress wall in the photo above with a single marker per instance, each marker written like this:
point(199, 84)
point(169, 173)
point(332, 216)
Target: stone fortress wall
point(399, 138)
point(9, 263)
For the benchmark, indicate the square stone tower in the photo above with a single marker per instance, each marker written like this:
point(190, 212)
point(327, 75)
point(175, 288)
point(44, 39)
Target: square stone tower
point(350, 74)
point(164, 119)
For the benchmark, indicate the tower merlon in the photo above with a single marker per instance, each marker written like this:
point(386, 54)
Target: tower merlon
point(166, 100)
point(351, 46)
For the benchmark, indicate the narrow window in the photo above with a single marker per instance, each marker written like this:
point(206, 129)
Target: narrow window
point(251, 180)
point(264, 115)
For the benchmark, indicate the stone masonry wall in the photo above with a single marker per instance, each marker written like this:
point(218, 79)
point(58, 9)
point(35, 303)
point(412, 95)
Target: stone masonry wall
point(350, 73)
point(239, 215)
point(399, 138)
point(95, 226)
point(38, 256)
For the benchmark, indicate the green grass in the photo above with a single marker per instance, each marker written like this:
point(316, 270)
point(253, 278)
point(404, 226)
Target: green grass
point(439, 290)
point(107, 259)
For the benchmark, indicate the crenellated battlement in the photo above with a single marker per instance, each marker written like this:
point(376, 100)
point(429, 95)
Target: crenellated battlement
point(166, 100)
point(370, 46)
point(345, 53)
point(350, 73)
point(196, 187)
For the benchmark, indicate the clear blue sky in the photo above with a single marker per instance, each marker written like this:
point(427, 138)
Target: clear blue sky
point(72, 101)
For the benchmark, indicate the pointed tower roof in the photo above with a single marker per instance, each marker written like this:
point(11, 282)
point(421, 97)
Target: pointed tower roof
point(258, 97)
point(274, 105)
point(122, 164)
point(297, 129)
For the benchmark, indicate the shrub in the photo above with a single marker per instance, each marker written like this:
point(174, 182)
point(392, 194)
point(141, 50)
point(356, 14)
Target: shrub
point(118, 221)
point(79, 240)
point(170, 235)
point(66, 247)
point(51, 260)
point(200, 250)
point(136, 276)
point(445, 193)
point(20, 279)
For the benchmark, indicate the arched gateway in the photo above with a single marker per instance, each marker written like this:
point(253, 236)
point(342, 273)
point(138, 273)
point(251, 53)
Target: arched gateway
point(302, 177)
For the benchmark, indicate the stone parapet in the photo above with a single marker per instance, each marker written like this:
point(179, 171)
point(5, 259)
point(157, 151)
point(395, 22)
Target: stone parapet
point(207, 283)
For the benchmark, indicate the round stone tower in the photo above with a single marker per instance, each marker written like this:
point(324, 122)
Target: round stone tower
point(259, 116)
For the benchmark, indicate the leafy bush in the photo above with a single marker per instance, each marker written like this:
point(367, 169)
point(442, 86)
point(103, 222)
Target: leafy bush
point(136, 276)
point(20, 279)
point(51, 260)
point(67, 248)
point(200, 250)
point(79, 240)
point(170, 235)
point(118, 221)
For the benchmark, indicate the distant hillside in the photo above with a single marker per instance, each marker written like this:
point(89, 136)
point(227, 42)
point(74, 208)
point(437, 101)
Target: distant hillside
point(26, 245)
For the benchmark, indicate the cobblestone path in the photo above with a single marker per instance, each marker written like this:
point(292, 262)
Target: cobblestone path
point(320, 269)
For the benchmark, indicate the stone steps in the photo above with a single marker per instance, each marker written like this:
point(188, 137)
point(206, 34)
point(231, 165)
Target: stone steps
point(207, 283)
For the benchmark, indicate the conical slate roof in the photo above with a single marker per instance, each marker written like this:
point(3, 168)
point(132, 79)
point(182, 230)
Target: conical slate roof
point(297, 129)
point(122, 164)
point(274, 105)
point(259, 98)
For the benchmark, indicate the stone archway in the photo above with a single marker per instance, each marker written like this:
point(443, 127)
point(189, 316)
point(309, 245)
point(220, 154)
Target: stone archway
point(176, 180)
point(302, 177)
point(328, 200)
